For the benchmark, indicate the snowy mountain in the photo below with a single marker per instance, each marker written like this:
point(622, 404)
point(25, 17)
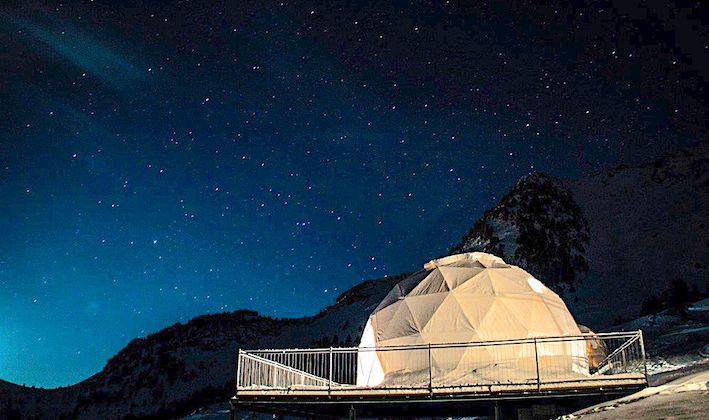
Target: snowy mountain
point(184, 367)
point(607, 241)
point(538, 226)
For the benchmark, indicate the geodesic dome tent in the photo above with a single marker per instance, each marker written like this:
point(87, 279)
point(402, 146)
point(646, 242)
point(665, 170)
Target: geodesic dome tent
point(473, 297)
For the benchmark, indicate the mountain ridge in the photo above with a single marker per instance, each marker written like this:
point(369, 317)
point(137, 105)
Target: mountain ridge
point(645, 225)
point(186, 366)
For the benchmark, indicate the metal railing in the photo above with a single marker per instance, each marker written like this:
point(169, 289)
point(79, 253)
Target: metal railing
point(531, 362)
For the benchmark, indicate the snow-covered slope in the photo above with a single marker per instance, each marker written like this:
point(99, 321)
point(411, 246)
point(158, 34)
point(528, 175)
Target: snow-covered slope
point(683, 398)
point(672, 340)
point(610, 240)
point(538, 226)
point(184, 367)
point(605, 241)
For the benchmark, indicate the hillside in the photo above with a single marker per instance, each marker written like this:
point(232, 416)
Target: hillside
point(539, 227)
point(648, 226)
point(606, 242)
point(184, 367)
point(609, 241)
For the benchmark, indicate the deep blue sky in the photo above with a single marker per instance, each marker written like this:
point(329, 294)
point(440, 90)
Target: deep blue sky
point(162, 160)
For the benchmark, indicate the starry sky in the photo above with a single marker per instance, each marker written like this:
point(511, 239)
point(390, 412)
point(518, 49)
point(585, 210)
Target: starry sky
point(161, 160)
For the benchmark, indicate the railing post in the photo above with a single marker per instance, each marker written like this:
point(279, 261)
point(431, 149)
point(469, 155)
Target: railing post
point(275, 371)
point(536, 362)
point(642, 351)
point(430, 372)
point(238, 368)
point(329, 375)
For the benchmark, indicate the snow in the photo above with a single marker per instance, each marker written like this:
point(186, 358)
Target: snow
point(682, 398)
point(700, 307)
point(508, 234)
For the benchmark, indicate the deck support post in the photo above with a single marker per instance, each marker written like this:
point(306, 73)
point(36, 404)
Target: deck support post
point(232, 405)
point(353, 413)
point(536, 362)
point(497, 410)
point(642, 350)
point(232, 410)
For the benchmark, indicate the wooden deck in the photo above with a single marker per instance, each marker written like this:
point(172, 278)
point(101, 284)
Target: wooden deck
point(351, 401)
point(629, 380)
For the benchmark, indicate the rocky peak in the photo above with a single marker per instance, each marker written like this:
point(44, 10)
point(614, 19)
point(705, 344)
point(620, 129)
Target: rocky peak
point(538, 226)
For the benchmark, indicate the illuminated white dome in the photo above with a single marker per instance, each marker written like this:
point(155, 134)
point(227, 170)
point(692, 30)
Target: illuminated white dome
point(463, 298)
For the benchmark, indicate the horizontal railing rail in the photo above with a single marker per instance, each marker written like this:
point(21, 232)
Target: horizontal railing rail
point(453, 344)
point(527, 361)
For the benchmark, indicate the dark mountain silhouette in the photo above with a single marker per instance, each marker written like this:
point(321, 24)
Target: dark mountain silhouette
point(607, 242)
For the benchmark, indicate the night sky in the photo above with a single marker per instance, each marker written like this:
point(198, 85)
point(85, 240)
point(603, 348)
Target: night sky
point(163, 160)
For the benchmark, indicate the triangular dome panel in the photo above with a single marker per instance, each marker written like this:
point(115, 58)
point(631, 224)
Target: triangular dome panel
point(433, 283)
point(423, 307)
point(455, 276)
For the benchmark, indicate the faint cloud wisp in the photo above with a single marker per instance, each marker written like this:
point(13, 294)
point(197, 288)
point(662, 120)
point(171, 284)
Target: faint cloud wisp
point(78, 49)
